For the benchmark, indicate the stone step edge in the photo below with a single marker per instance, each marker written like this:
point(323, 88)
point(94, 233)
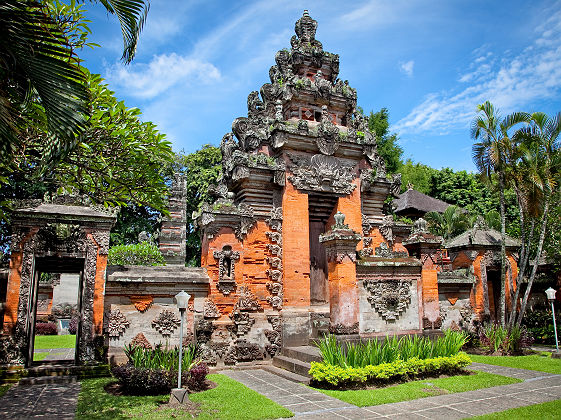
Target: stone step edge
point(301, 354)
point(41, 380)
point(292, 365)
point(286, 374)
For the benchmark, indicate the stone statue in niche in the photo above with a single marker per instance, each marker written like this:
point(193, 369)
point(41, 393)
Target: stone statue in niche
point(226, 269)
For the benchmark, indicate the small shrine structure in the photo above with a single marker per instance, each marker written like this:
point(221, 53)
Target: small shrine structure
point(59, 236)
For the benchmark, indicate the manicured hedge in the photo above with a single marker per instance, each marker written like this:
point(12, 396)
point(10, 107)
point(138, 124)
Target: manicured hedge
point(323, 373)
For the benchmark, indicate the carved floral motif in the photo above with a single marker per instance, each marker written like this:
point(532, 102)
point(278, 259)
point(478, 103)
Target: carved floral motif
point(210, 310)
point(142, 302)
point(140, 340)
point(116, 324)
point(390, 298)
point(247, 301)
point(166, 322)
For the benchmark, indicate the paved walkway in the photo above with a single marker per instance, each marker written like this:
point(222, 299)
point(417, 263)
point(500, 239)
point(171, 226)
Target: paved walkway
point(51, 401)
point(56, 354)
point(308, 404)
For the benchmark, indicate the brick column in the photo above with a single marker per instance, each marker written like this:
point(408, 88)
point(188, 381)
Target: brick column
point(425, 246)
point(340, 244)
point(295, 248)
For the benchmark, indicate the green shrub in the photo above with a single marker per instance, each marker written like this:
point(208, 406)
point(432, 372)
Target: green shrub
point(375, 352)
point(144, 253)
point(498, 339)
point(154, 372)
point(539, 323)
point(334, 375)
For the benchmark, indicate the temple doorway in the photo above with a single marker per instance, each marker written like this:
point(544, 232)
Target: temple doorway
point(55, 314)
point(494, 287)
point(320, 208)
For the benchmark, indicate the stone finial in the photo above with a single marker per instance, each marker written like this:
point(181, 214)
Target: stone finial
point(339, 221)
point(305, 27)
point(420, 226)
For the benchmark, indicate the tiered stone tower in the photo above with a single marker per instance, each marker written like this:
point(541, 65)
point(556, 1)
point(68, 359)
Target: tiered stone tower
point(302, 155)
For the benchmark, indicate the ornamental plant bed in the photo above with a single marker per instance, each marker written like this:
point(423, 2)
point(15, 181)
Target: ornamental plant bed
point(378, 363)
point(328, 376)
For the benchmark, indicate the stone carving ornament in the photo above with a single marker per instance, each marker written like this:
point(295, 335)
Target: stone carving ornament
point(166, 322)
point(389, 298)
point(117, 324)
point(321, 173)
point(210, 310)
point(226, 269)
point(247, 301)
point(242, 323)
point(142, 302)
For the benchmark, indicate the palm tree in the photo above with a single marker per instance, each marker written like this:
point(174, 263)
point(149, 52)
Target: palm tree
point(542, 141)
point(41, 82)
point(453, 221)
point(492, 154)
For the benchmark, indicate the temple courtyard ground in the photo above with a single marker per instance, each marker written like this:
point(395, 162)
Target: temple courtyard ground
point(527, 398)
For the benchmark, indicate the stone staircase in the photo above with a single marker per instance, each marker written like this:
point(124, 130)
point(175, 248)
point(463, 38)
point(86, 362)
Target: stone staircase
point(47, 373)
point(294, 363)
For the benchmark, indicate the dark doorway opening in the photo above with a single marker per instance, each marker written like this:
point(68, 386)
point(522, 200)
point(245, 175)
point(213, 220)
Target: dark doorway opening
point(55, 320)
point(494, 286)
point(320, 208)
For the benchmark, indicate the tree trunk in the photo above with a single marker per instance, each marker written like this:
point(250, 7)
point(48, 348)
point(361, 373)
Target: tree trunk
point(502, 301)
point(521, 261)
point(536, 262)
point(485, 286)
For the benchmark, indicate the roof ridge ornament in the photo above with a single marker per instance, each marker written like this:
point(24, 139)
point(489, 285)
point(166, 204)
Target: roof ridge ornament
point(305, 29)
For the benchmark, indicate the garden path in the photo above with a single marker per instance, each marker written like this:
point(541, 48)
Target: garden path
point(47, 401)
point(308, 404)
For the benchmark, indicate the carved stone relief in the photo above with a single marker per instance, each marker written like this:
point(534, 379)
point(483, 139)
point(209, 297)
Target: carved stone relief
point(321, 173)
point(247, 301)
point(142, 302)
point(140, 340)
point(210, 310)
point(226, 269)
point(166, 322)
point(390, 298)
point(116, 324)
point(242, 323)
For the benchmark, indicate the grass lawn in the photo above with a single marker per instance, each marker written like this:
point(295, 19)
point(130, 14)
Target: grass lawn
point(229, 400)
point(533, 362)
point(419, 389)
point(545, 411)
point(55, 341)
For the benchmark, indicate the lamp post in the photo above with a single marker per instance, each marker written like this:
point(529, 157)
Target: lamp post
point(182, 299)
point(551, 297)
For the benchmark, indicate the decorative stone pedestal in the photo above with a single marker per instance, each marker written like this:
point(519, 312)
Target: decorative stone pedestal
point(556, 355)
point(340, 244)
point(179, 396)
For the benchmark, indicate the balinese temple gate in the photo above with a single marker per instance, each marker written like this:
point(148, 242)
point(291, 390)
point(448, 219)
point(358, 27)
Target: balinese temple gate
point(297, 241)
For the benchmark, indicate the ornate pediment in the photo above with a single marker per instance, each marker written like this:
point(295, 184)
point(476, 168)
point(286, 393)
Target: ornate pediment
point(321, 173)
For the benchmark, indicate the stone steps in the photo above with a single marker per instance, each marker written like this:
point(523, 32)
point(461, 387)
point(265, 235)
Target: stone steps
point(14, 374)
point(292, 365)
point(42, 380)
point(283, 373)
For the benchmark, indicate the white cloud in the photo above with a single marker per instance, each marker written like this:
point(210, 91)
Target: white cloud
point(512, 83)
point(160, 74)
point(407, 68)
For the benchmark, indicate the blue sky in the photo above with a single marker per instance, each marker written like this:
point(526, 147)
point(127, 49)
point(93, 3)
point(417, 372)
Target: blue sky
point(429, 62)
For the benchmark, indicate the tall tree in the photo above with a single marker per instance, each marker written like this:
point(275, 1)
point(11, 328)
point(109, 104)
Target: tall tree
point(388, 148)
point(491, 155)
point(543, 152)
point(41, 80)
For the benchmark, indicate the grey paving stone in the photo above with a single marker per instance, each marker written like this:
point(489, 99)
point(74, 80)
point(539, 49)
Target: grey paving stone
point(385, 409)
point(534, 397)
point(353, 413)
point(444, 413)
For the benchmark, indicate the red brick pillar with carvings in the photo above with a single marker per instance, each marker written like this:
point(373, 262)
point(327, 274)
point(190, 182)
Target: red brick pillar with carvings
point(340, 244)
